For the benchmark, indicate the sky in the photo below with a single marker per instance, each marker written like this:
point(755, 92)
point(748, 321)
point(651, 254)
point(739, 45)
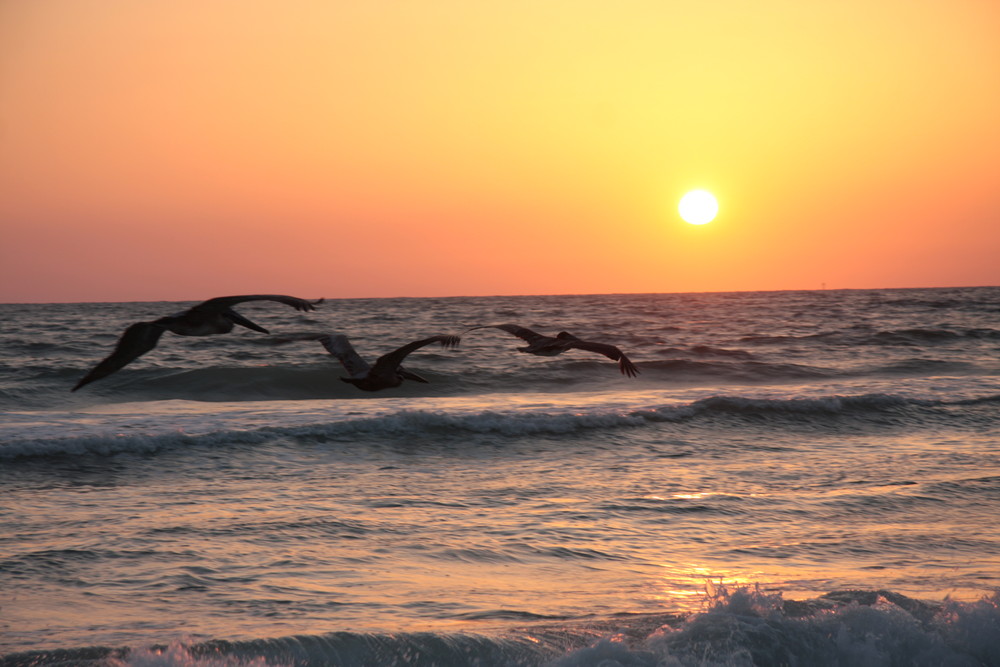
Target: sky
point(321, 148)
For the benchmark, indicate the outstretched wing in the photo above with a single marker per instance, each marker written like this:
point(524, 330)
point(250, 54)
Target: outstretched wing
point(523, 333)
point(340, 347)
point(393, 359)
point(609, 351)
point(137, 340)
point(223, 303)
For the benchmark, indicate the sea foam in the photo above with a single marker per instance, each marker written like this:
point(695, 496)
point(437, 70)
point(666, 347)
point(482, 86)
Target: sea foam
point(741, 627)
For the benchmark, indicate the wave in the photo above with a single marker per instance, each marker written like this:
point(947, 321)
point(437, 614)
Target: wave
point(833, 412)
point(741, 371)
point(274, 383)
point(972, 300)
point(213, 384)
point(860, 335)
point(708, 350)
point(250, 372)
point(745, 626)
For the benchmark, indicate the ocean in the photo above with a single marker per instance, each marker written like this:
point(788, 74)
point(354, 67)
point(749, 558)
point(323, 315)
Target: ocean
point(793, 478)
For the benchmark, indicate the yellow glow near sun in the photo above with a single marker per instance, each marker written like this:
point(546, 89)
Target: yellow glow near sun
point(698, 207)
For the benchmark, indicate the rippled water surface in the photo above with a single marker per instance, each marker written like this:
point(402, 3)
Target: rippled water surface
point(775, 448)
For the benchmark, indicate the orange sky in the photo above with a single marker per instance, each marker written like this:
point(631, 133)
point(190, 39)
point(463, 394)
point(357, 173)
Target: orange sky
point(188, 149)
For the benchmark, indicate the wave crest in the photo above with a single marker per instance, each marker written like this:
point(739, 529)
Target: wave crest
point(744, 626)
point(868, 409)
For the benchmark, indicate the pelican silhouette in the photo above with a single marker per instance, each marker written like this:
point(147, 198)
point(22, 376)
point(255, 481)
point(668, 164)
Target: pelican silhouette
point(386, 372)
point(215, 316)
point(550, 346)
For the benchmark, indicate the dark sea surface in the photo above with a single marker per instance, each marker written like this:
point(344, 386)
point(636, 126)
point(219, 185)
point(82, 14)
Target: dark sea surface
point(794, 478)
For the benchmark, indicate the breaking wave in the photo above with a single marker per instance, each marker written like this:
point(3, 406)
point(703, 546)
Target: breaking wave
point(738, 628)
point(868, 410)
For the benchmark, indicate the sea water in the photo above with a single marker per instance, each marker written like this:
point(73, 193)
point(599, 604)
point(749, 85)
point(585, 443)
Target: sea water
point(794, 478)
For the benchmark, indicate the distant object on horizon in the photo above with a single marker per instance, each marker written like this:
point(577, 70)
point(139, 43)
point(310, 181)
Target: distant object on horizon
point(215, 316)
point(549, 346)
point(386, 371)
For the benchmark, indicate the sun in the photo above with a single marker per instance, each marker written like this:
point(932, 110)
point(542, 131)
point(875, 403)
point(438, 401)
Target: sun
point(698, 207)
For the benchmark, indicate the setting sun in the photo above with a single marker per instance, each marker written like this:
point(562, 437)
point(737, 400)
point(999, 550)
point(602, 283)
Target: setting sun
point(698, 207)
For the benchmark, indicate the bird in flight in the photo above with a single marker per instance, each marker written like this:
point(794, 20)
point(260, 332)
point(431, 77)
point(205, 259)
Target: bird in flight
point(215, 316)
point(550, 346)
point(386, 372)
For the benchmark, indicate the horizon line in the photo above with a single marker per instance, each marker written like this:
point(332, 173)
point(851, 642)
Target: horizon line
point(565, 294)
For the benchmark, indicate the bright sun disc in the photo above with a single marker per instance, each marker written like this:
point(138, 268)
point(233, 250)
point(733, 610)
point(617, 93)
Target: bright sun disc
point(698, 207)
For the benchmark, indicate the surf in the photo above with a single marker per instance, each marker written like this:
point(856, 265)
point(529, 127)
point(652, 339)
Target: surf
point(739, 626)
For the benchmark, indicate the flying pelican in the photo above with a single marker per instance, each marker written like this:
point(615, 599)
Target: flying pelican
point(549, 346)
point(386, 371)
point(215, 316)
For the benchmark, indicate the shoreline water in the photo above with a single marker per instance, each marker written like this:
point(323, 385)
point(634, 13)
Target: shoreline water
point(738, 627)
